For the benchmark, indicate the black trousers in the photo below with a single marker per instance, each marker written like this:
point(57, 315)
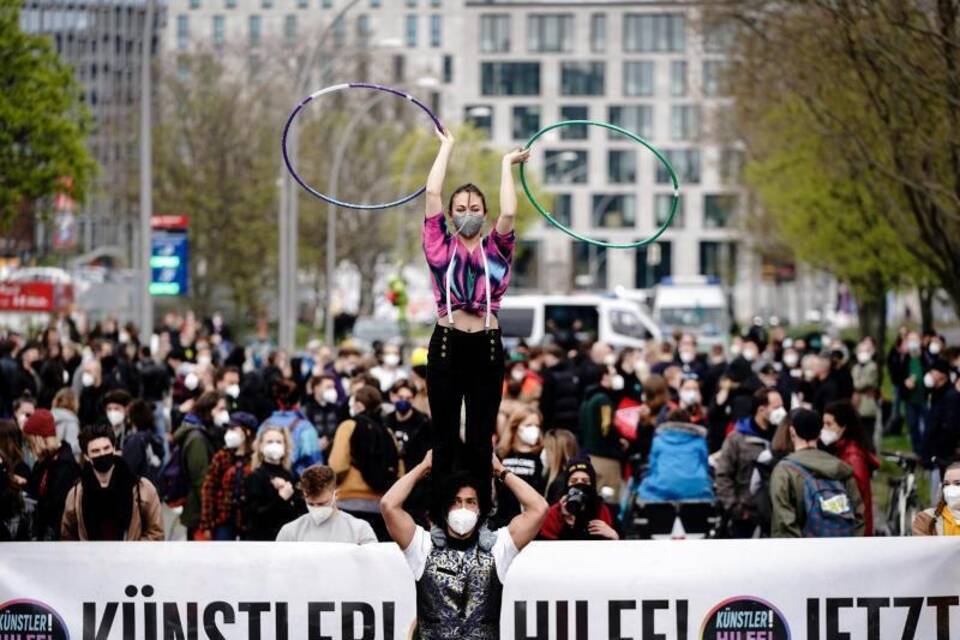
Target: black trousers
point(464, 368)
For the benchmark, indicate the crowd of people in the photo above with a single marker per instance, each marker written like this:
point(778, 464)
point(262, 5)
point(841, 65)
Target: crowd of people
point(99, 431)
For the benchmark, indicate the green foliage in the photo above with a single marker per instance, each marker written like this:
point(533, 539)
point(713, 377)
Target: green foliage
point(215, 159)
point(43, 123)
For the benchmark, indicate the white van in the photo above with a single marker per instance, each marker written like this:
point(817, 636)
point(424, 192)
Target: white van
point(696, 305)
point(568, 319)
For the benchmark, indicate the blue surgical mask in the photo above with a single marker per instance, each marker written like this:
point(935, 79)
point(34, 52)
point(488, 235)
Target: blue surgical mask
point(402, 406)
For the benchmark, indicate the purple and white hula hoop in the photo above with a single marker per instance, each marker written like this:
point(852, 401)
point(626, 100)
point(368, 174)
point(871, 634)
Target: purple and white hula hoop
point(341, 87)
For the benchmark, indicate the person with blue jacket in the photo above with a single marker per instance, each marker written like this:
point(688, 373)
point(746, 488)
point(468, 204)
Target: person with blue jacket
point(306, 450)
point(678, 467)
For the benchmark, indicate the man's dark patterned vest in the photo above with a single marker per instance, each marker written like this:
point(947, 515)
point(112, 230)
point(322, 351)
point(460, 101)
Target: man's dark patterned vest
point(459, 594)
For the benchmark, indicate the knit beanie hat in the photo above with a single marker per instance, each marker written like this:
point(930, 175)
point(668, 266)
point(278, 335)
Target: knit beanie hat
point(582, 463)
point(41, 424)
point(806, 423)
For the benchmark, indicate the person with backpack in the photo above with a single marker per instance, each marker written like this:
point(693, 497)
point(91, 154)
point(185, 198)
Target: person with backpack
point(813, 493)
point(270, 499)
point(109, 502)
point(143, 448)
point(305, 440)
point(844, 436)
point(366, 460)
point(200, 434)
point(222, 494)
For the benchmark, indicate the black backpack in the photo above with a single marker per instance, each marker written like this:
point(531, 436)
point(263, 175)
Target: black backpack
point(374, 452)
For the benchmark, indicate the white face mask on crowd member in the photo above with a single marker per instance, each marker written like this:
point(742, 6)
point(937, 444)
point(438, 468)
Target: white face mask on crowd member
point(777, 416)
point(115, 417)
point(221, 418)
point(462, 520)
point(951, 495)
point(319, 515)
point(330, 395)
point(87, 379)
point(689, 397)
point(391, 359)
point(617, 383)
point(233, 438)
point(790, 359)
point(273, 452)
point(233, 390)
point(929, 381)
point(829, 436)
point(864, 356)
point(529, 434)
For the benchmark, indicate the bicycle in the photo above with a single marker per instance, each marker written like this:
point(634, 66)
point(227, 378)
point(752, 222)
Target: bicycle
point(903, 503)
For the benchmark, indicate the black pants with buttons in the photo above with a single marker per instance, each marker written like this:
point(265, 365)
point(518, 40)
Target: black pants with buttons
point(464, 368)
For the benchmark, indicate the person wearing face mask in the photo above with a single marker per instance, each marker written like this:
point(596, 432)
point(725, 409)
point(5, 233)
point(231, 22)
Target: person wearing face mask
point(519, 450)
point(115, 411)
point(470, 275)
point(677, 465)
point(580, 513)
point(844, 437)
point(944, 519)
point(460, 565)
point(271, 500)
point(109, 502)
point(866, 390)
point(23, 408)
point(366, 459)
point(914, 391)
point(52, 475)
point(89, 386)
point(598, 435)
point(789, 377)
point(389, 370)
point(410, 428)
point(198, 437)
point(222, 498)
point(227, 381)
point(324, 409)
point(306, 441)
point(324, 521)
point(813, 493)
point(735, 463)
point(519, 373)
point(941, 438)
point(691, 401)
point(142, 448)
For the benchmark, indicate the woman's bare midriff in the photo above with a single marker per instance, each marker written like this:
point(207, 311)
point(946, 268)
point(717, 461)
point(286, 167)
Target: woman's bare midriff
point(468, 322)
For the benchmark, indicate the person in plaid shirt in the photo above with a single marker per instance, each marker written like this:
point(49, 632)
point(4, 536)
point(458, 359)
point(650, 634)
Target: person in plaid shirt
point(222, 493)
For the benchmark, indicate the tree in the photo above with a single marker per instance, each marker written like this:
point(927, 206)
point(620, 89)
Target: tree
point(874, 85)
point(215, 158)
point(43, 123)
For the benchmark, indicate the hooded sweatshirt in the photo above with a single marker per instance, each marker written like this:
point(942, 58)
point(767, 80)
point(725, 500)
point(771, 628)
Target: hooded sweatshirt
point(786, 491)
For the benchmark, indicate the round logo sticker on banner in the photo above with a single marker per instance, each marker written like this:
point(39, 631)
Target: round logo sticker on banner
point(28, 619)
point(600, 243)
point(745, 617)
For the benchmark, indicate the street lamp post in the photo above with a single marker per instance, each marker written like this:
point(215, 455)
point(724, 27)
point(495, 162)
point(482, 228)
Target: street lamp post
point(146, 176)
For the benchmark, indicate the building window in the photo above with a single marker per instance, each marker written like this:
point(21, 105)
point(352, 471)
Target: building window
point(581, 78)
point(718, 37)
point(194, 4)
point(510, 78)
point(566, 166)
point(526, 265)
point(678, 78)
point(480, 116)
point(447, 69)
point(719, 210)
point(411, 30)
point(574, 112)
point(654, 263)
point(290, 29)
point(436, 3)
point(218, 31)
point(375, 4)
point(589, 266)
point(526, 122)
point(436, 31)
point(638, 78)
point(230, 4)
point(635, 118)
point(301, 4)
point(183, 31)
point(660, 32)
point(339, 31)
point(412, 4)
point(399, 63)
point(621, 166)
point(550, 33)
point(363, 28)
point(598, 33)
point(266, 4)
point(563, 208)
point(686, 164)
point(614, 211)
point(327, 4)
point(731, 165)
point(255, 29)
point(685, 122)
point(662, 203)
point(494, 33)
point(714, 78)
point(718, 259)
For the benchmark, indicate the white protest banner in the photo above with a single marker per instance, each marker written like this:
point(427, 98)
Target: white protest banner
point(828, 589)
point(204, 591)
